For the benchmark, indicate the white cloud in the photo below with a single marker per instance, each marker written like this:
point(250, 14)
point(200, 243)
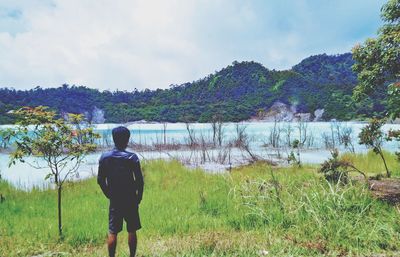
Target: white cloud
point(129, 44)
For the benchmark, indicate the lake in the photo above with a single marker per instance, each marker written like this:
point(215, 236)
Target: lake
point(266, 139)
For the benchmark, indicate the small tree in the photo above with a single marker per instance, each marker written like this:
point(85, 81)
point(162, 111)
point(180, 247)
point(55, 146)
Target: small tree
point(60, 144)
point(372, 136)
point(377, 61)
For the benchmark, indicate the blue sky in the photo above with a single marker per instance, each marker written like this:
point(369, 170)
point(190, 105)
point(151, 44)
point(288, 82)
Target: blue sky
point(129, 44)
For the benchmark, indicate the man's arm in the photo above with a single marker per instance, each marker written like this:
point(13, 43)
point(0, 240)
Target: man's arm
point(102, 178)
point(138, 178)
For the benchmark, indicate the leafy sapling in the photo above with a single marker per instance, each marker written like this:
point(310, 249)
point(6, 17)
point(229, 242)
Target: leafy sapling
point(372, 136)
point(61, 145)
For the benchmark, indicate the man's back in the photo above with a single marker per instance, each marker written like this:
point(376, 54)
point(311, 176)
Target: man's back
point(120, 177)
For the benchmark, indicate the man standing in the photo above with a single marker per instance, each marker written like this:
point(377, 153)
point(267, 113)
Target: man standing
point(121, 181)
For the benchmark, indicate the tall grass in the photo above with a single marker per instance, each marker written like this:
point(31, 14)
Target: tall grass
point(191, 213)
point(372, 164)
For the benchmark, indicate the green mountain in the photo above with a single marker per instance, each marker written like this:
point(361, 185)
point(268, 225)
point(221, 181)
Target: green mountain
point(237, 92)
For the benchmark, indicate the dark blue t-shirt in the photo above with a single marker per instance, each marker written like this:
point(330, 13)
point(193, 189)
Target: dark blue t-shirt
point(120, 177)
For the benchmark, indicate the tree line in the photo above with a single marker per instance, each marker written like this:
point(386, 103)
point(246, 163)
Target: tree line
point(237, 92)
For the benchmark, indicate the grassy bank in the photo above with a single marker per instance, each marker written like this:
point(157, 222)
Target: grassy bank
point(372, 164)
point(285, 211)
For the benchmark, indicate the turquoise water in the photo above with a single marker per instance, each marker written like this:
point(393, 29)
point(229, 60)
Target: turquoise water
point(24, 176)
point(258, 132)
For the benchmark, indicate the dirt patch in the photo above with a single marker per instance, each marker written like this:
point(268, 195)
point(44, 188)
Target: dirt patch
point(386, 189)
point(317, 245)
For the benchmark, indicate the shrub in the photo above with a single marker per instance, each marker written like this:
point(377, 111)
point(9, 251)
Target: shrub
point(336, 170)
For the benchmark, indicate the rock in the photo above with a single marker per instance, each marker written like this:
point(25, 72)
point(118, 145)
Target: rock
point(282, 112)
point(302, 117)
point(318, 114)
point(279, 112)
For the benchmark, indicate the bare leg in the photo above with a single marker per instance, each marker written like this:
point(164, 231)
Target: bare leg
point(132, 242)
point(112, 244)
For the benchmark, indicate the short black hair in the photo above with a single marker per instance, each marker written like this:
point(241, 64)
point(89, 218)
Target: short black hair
point(121, 137)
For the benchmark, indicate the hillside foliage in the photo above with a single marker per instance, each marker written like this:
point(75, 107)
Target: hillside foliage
point(236, 93)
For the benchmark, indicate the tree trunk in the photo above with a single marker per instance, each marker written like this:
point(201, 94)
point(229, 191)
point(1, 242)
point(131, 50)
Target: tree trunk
point(59, 189)
point(384, 162)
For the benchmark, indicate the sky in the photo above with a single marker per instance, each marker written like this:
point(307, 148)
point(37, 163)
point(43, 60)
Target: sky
point(128, 44)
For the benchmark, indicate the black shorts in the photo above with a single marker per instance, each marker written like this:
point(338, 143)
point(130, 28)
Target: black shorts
point(129, 213)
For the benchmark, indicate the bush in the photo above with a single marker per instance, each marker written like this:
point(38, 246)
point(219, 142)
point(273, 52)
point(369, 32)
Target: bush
point(336, 170)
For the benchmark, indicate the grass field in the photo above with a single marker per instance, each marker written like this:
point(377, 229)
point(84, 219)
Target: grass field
point(253, 211)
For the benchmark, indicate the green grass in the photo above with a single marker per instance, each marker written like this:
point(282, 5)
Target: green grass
point(372, 164)
point(191, 213)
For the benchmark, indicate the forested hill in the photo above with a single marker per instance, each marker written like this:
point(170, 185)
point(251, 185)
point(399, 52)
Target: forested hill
point(237, 92)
